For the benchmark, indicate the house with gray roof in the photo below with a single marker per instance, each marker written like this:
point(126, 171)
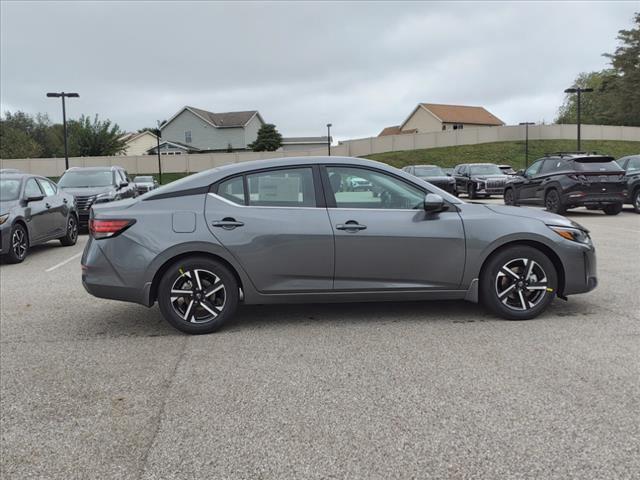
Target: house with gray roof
point(197, 130)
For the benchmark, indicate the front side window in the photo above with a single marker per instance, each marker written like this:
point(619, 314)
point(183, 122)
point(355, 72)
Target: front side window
point(47, 187)
point(32, 189)
point(533, 169)
point(233, 190)
point(633, 164)
point(282, 188)
point(364, 188)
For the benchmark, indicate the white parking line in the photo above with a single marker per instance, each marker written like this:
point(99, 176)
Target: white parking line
point(64, 262)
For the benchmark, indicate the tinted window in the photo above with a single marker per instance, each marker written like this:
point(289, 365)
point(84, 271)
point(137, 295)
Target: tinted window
point(9, 189)
point(428, 172)
point(232, 190)
point(86, 178)
point(584, 165)
point(47, 187)
point(32, 189)
point(485, 170)
point(533, 169)
point(633, 164)
point(363, 188)
point(282, 188)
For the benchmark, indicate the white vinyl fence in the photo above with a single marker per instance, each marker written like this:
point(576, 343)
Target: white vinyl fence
point(53, 167)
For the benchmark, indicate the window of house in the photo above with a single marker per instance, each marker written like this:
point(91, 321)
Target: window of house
point(364, 188)
point(187, 136)
point(282, 188)
point(458, 126)
point(444, 127)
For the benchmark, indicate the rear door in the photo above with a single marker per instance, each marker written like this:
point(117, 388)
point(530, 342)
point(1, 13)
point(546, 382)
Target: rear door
point(275, 224)
point(384, 240)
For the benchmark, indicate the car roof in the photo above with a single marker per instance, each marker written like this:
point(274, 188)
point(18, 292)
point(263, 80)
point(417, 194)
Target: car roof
point(204, 179)
point(97, 169)
point(423, 165)
point(20, 175)
point(577, 155)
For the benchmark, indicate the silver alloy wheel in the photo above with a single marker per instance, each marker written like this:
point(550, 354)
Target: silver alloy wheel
point(72, 228)
point(198, 296)
point(636, 200)
point(521, 284)
point(19, 243)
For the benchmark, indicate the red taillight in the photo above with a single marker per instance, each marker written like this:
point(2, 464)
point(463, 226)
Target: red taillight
point(108, 228)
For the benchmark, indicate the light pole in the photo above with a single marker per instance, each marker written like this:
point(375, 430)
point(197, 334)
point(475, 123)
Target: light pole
point(158, 133)
point(526, 142)
point(329, 138)
point(63, 95)
point(579, 91)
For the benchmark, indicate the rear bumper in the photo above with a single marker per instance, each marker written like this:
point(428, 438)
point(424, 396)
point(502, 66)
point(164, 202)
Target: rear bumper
point(592, 199)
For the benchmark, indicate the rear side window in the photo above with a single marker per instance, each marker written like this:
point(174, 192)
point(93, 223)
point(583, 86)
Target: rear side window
point(282, 188)
point(233, 190)
point(596, 166)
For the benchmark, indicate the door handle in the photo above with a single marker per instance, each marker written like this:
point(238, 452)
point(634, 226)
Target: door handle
point(351, 226)
point(227, 223)
point(65, 200)
point(47, 205)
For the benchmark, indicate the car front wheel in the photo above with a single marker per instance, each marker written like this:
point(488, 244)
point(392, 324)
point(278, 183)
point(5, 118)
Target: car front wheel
point(509, 197)
point(198, 295)
point(71, 235)
point(553, 202)
point(518, 283)
point(635, 200)
point(19, 244)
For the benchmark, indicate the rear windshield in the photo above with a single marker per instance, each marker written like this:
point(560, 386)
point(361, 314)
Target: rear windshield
point(9, 189)
point(86, 178)
point(596, 165)
point(429, 172)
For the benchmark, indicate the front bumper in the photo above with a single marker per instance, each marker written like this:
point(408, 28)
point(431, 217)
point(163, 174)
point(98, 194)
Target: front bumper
point(579, 269)
point(5, 237)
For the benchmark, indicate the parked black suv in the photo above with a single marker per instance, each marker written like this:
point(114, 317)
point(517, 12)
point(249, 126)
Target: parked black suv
point(564, 180)
point(434, 175)
point(631, 165)
point(476, 179)
point(91, 185)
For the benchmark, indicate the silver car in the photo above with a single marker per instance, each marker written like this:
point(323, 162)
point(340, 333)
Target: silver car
point(282, 230)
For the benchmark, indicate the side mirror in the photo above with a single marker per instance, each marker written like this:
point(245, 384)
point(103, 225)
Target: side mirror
point(433, 203)
point(34, 198)
point(123, 184)
point(448, 174)
point(520, 172)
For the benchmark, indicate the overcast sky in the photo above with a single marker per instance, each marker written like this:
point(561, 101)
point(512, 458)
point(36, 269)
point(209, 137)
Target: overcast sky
point(361, 66)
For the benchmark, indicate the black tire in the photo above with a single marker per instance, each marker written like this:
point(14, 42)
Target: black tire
point(613, 209)
point(538, 290)
point(455, 192)
point(71, 235)
point(18, 244)
point(472, 192)
point(553, 202)
point(197, 318)
point(509, 197)
point(635, 200)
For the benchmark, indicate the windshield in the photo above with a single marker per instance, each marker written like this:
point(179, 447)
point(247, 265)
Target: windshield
point(143, 179)
point(9, 189)
point(86, 178)
point(485, 170)
point(429, 172)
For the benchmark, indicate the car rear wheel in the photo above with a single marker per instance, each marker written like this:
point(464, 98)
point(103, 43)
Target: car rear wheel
point(19, 244)
point(198, 295)
point(518, 283)
point(553, 203)
point(472, 192)
point(635, 200)
point(71, 235)
point(509, 197)
point(613, 209)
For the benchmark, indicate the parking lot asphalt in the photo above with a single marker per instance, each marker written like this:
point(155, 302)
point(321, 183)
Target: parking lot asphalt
point(92, 388)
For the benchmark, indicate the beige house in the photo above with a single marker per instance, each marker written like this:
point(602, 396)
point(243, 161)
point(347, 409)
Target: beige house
point(434, 117)
point(139, 143)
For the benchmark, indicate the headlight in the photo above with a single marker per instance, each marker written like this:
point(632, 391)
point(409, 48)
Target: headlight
point(106, 197)
point(3, 218)
point(573, 234)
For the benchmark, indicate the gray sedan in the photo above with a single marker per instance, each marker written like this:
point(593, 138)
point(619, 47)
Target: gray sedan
point(282, 230)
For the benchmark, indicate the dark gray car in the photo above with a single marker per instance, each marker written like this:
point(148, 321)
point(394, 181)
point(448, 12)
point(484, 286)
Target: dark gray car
point(434, 175)
point(275, 231)
point(33, 211)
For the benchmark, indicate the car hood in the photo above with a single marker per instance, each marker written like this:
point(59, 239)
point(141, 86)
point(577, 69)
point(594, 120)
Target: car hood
point(438, 178)
point(145, 184)
point(87, 191)
point(543, 216)
point(7, 205)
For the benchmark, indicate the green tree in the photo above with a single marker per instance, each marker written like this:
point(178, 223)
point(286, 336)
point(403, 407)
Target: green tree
point(94, 138)
point(16, 136)
point(268, 139)
point(616, 96)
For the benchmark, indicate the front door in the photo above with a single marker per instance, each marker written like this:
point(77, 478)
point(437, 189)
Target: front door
point(37, 212)
point(57, 208)
point(270, 222)
point(528, 188)
point(384, 240)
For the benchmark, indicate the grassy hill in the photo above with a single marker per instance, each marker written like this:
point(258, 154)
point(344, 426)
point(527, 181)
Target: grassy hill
point(510, 153)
